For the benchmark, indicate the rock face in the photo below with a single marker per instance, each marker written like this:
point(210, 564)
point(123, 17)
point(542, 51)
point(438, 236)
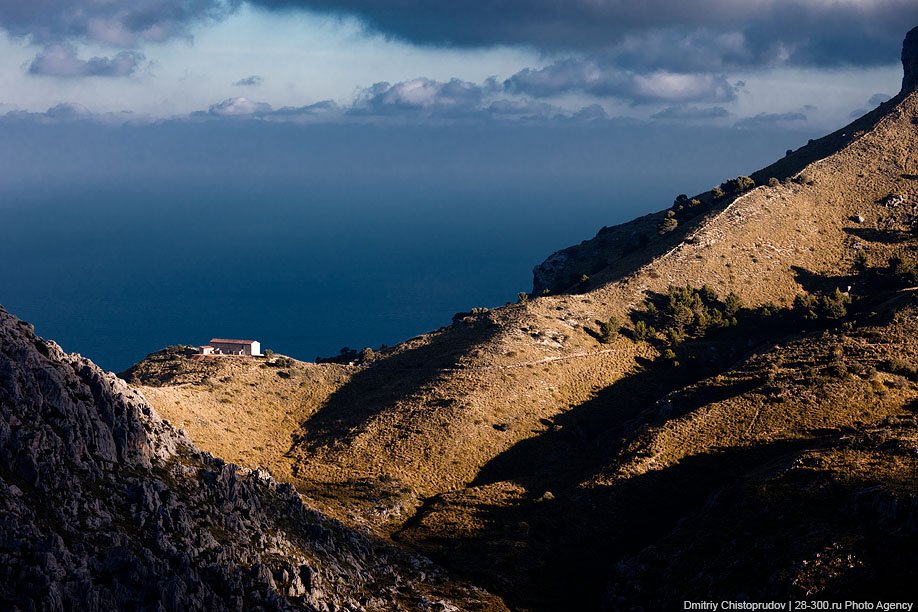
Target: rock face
point(105, 506)
point(910, 61)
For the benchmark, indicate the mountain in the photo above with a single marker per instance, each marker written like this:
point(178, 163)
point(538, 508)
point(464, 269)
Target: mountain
point(715, 401)
point(105, 506)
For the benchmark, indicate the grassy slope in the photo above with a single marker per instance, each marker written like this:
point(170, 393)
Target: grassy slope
point(473, 423)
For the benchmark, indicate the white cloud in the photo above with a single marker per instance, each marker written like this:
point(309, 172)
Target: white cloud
point(239, 107)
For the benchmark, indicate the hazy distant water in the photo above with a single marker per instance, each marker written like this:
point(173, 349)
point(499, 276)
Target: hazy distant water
point(372, 242)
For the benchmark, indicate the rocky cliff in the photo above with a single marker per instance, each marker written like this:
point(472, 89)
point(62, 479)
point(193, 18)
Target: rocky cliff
point(105, 506)
point(910, 61)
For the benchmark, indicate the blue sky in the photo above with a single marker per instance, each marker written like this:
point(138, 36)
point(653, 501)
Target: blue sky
point(790, 63)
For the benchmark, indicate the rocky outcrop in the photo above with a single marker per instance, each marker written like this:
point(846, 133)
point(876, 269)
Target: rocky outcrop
point(105, 506)
point(910, 61)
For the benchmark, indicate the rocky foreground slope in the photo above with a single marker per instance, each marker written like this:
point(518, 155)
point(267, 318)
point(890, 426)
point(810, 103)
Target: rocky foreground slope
point(104, 506)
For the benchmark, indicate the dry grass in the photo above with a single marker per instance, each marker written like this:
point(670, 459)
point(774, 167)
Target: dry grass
point(452, 439)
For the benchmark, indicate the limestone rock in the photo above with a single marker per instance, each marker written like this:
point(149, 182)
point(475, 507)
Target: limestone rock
point(104, 506)
point(910, 61)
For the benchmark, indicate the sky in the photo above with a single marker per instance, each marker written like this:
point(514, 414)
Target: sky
point(782, 63)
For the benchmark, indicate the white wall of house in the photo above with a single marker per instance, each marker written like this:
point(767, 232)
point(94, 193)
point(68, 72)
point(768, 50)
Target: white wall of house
point(235, 348)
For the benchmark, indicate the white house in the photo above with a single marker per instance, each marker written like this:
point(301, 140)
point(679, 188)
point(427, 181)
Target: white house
point(225, 346)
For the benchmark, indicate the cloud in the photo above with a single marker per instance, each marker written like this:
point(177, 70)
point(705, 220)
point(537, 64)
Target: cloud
point(422, 95)
point(239, 107)
point(69, 112)
point(878, 99)
point(415, 100)
point(769, 119)
point(118, 24)
point(691, 113)
point(244, 108)
point(591, 113)
point(249, 81)
point(718, 32)
point(61, 60)
point(603, 80)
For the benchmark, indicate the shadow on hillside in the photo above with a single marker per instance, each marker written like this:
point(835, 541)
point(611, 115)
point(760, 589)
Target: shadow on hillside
point(596, 431)
point(881, 236)
point(568, 554)
point(389, 380)
point(820, 283)
point(729, 524)
point(562, 551)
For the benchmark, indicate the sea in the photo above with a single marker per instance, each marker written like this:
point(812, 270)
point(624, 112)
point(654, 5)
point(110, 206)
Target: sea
point(119, 241)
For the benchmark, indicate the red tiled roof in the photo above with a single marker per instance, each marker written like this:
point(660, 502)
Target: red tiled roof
point(230, 341)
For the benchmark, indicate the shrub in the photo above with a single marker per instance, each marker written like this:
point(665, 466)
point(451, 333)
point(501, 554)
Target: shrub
point(838, 369)
point(835, 305)
point(900, 366)
point(830, 306)
point(522, 297)
point(773, 182)
point(738, 185)
point(905, 269)
point(732, 304)
point(686, 312)
point(667, 225)
point(608, 330)
point(718, 193)
point(643, 332)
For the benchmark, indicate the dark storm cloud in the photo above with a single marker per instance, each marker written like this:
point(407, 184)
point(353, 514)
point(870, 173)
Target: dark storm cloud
point(119, 24)
point(718, 32)
point(61, 60)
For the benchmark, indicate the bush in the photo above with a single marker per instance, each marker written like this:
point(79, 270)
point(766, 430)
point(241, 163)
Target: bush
point(732, 304)
point(773, 182)
point(667, 225)
point(643, 332)
point(831, 306)
point(718, 193)
point(835, 304)
point(522, 297)
point(608, 330)
point(686, 312)
point(738, 185)
point(900, 366)
point(905, 269)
